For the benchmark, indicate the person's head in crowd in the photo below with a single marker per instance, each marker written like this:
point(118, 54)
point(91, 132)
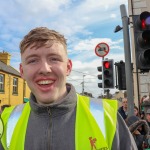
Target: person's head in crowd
point(147, 115)
point(136, 111)
point(123, 109)
point(142, 115)
point(143, 97)
point(146, 99)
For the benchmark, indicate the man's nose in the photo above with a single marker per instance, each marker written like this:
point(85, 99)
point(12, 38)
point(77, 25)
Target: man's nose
point(45, 68)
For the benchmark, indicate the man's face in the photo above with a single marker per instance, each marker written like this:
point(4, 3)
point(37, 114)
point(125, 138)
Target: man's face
point(45, 70)
point(124, 103)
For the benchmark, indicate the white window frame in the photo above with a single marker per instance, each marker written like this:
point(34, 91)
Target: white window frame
point(15, 85)
point(1, 83)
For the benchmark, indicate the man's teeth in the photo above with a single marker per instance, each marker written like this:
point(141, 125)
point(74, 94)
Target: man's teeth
point(45, 82)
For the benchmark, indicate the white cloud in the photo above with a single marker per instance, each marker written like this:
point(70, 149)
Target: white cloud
point(113, 15)
point(65, 16)
point(89, 44)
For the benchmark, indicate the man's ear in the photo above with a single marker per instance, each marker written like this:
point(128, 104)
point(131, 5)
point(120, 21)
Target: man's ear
point(69, 67)
point(21, 70)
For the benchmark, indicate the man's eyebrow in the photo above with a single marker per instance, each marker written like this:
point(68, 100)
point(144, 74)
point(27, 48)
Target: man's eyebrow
point(32, 55)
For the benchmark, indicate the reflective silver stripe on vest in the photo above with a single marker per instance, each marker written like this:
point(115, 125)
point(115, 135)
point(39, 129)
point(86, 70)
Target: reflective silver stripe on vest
point(96, 108)
point(12, 121)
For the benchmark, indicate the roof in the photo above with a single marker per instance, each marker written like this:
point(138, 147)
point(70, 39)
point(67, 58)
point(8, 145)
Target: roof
point(8, 69)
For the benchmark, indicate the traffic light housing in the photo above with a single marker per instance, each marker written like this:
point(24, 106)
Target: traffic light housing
point(141, 25)
point(108, 73)
point(100, 76)
point(121, 75)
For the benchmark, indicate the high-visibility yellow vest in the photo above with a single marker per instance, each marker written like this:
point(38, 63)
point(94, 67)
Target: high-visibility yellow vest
point(95, 125)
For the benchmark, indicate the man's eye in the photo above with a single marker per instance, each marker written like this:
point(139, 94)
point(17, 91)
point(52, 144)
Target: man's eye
point(54, 59)
point(32, 61)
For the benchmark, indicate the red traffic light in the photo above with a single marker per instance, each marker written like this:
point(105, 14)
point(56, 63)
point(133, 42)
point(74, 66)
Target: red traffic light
point(108, 74)
point(145, 20)
point(143, 24)
point(106, 64)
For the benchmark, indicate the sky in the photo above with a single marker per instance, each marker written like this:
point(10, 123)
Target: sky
point(84, 23)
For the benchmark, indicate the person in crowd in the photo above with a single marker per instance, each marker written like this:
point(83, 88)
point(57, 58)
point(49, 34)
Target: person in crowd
point(56, 116)
point(146, 99)
point(147, 116)
point(143, 99)
point(123, 109)
point(139, 129)
point(136, 111)
point(142, 115)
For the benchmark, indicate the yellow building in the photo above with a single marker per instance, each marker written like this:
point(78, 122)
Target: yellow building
point(13, 89)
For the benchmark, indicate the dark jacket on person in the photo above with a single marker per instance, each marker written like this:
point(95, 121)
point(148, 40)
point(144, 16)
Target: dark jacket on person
point(58, 119)
point(122, 112)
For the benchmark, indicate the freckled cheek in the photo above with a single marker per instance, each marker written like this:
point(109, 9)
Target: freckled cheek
point(30, 73)
point(64, 70)
point(60, 71)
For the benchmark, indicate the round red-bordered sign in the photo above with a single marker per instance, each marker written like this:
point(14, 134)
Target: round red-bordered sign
point(102, 49)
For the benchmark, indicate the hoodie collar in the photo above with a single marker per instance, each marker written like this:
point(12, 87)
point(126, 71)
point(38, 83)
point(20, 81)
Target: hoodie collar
point(56, 108)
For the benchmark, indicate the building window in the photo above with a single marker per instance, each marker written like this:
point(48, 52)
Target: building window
point(15, 86)
point(1, 83)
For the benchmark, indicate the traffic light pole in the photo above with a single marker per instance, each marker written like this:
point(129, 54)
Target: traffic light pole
point(128, 68)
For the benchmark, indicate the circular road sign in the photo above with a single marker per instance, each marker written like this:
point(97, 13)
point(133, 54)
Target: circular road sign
point(102, 49)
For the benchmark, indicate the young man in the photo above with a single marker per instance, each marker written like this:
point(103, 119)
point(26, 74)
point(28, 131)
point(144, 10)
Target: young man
point(56, 117)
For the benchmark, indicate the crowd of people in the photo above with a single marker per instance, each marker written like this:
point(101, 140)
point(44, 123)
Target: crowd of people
point(139, 122)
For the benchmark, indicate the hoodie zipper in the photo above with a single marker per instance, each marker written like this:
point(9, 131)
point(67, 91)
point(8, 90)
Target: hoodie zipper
point(49, 128)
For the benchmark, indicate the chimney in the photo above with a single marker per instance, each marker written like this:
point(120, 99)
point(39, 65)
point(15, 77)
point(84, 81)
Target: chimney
point(5, 57)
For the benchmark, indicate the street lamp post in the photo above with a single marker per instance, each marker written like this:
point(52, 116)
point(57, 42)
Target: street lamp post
point(129, 79)
point(128, 68)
